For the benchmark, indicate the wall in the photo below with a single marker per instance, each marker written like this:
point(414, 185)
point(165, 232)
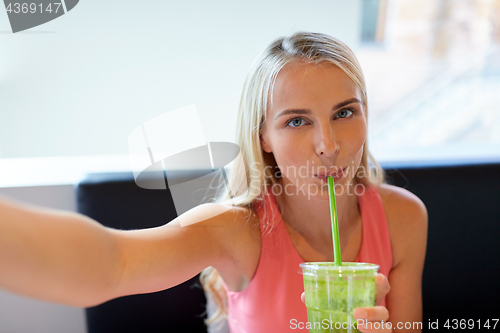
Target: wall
point(78, 85)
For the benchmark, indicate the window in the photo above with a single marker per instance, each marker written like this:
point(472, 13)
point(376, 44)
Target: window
point(434, 80)
point(373, 20)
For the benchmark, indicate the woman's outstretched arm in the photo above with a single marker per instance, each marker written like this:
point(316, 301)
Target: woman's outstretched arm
point(56, 256)
point(70, 259)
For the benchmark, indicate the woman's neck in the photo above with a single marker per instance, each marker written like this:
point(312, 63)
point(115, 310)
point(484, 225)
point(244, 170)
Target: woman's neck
point(309, 215)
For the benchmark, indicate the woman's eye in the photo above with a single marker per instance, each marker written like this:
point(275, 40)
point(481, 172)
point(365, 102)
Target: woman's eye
point(344, 113)
point(295, 122)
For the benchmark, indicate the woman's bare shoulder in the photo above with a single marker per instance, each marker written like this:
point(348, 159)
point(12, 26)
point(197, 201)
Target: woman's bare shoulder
point(216, 214)
point(406, 218)
point(234, 226)
point(241, 223)
point(400, 202)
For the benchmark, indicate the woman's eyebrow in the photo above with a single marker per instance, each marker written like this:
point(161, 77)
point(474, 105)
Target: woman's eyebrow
point(293, 111)
point(347, 102)
point(307, 111)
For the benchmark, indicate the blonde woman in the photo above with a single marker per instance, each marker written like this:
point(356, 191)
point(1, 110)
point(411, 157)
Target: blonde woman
point(303, 117)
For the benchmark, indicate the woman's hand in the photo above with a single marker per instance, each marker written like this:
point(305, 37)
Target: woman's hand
point(373, 314)
point(374, 319)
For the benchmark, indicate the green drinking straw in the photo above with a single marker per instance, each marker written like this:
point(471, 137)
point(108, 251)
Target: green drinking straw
point(335, 224)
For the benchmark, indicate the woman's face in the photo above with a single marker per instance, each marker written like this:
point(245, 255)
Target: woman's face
point(315, 126)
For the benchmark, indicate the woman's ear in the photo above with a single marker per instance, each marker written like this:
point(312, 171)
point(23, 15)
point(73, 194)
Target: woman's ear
point(265, 146)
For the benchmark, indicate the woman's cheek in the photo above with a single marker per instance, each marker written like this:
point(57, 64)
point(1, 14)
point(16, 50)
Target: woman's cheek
point(356, 148)
point(357, 160)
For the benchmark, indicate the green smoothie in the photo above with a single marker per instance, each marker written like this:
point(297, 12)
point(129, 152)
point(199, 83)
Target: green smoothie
point(333, 292)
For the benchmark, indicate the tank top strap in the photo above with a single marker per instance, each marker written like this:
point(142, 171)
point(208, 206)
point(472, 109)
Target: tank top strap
point(275, 239)
point(272, 298)
point(376, 245)
point(267, 209)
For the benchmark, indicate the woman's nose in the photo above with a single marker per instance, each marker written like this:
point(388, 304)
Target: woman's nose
point(326, 142)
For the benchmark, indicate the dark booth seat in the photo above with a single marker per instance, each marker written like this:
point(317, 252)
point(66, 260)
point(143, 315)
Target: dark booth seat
point(462, 266)
point(116, 201)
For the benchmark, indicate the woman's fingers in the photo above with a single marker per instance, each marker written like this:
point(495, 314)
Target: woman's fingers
point(303, 297)
point(372, 319)
point(382, 288)
point(374, 313)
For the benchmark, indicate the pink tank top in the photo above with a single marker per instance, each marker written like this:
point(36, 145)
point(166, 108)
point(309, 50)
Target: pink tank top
point(271, 302)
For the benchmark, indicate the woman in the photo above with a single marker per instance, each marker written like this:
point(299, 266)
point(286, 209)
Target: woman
point(303, 107)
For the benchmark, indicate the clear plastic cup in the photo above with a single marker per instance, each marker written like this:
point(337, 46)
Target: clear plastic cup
point(333, 292)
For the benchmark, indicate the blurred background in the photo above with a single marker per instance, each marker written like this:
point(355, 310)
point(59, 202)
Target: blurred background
point(433, 74)
point(77, 86)
point(73, 89)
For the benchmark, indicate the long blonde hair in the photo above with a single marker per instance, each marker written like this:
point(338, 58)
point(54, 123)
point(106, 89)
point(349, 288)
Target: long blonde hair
point(252, 174)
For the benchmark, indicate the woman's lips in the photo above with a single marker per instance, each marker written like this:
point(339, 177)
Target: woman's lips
point(339, 174)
